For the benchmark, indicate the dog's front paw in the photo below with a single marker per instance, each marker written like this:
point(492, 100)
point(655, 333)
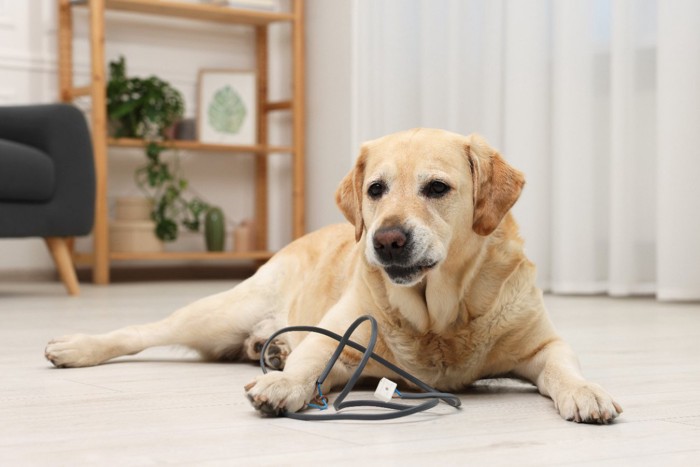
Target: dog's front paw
point(274, 393)
point(77, 350)
point(588, 403)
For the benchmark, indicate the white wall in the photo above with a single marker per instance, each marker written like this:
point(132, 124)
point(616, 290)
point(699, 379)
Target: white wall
point(330, 149)
point(175, 50)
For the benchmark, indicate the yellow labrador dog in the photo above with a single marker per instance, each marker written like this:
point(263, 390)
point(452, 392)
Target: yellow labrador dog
point(431, 251)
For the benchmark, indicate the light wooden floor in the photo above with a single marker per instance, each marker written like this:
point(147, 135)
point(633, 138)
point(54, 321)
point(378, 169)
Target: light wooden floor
point(164, 407)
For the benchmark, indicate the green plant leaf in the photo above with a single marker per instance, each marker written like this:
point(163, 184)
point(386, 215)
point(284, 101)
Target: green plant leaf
point(166, 230)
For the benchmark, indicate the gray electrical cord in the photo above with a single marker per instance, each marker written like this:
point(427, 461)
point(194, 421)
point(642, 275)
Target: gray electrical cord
point(400, 410)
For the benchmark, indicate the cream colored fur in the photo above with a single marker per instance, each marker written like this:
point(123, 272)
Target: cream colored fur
point(465, 305)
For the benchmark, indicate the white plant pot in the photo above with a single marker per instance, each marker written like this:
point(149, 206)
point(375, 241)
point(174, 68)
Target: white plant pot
point(134, 237)
point(133, 208)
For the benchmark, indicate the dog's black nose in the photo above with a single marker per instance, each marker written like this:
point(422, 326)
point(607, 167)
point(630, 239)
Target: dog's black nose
point(390, 244)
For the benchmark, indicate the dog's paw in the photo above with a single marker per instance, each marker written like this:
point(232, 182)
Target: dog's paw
point(274, 393)
point(276, 355)
point(587, 403)
point(73, 351)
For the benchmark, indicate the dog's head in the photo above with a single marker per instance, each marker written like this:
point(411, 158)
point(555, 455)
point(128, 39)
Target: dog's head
point(413, 193)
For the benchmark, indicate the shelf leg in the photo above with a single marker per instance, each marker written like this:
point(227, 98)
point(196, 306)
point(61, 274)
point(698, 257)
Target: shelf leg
point(298, 120)
point(100, 271)
point(261, 177)
point(65, 51)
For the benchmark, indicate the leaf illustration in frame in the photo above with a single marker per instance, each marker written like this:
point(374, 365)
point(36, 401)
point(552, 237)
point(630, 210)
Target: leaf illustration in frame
point(226, 111)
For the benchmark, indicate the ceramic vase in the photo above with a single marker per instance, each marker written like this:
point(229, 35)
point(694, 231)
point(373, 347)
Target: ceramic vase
point(214, 229)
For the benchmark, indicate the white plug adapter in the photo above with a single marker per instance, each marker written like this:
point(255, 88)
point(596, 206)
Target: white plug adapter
point(385, 390)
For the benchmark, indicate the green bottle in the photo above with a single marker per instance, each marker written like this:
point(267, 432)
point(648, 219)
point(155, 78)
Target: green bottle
point(214, 229)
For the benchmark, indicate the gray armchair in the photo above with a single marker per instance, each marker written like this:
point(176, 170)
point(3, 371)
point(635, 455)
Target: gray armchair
point(47, 179)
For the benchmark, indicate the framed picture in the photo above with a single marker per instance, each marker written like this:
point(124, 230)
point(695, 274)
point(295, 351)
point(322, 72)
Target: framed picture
point(228, 110)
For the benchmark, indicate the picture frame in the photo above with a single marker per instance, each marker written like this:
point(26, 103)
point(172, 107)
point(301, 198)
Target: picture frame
point(227, 111)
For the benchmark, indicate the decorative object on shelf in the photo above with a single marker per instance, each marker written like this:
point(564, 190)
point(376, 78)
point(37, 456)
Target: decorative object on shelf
point(133, 231)
point(227, 111)
point(244, 236)
point(215, 229)
point(133, 237)
point(186, 129)
point(133, 208)
point(140, 107)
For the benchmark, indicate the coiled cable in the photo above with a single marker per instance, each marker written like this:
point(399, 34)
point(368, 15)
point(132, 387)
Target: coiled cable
point(398, 410)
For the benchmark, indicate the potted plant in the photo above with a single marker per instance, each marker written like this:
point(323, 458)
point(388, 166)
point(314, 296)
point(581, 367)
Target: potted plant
point(141, 107)
point(147, 108)
point(164, 184)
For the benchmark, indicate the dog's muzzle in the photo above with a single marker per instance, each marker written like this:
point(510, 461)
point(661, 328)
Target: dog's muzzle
point(395, 250)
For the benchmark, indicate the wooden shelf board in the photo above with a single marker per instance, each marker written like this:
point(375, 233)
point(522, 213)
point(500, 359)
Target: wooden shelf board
point(196, 11)
point(86, 258)
point(198, 146)
point(192, 255)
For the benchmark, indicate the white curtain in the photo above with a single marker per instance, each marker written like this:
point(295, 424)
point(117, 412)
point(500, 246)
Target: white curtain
point(597, 101)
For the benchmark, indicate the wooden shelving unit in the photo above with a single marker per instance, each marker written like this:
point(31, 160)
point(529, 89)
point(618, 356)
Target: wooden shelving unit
point(101, 257)
point(197, 146)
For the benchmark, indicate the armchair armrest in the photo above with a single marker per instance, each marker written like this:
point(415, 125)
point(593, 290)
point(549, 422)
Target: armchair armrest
point(59, 130)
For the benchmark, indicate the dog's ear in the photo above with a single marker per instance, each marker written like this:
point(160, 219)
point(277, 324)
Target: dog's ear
point(497, 185)
point(348, 196)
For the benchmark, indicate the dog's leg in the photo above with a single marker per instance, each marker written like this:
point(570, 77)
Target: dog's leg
point(292, 389)
point(215, 326)
point(555, 371)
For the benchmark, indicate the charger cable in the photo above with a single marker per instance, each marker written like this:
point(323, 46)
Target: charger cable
point(397, 410)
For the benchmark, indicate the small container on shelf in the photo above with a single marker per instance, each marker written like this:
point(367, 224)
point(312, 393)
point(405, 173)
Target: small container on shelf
point(134, 237)
point(133, 208)
point(244, 236)
point(186, 130)
point(133, 231)
point(215, 229)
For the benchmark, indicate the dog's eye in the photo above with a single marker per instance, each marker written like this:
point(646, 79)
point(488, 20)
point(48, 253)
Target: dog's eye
point(376, 190)
point(436, 189)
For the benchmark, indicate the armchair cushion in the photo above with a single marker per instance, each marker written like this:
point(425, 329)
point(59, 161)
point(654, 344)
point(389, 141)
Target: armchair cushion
point(26, 173)
point(59, 132)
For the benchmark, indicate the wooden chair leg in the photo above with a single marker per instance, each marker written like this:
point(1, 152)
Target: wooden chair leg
point(60, 251)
